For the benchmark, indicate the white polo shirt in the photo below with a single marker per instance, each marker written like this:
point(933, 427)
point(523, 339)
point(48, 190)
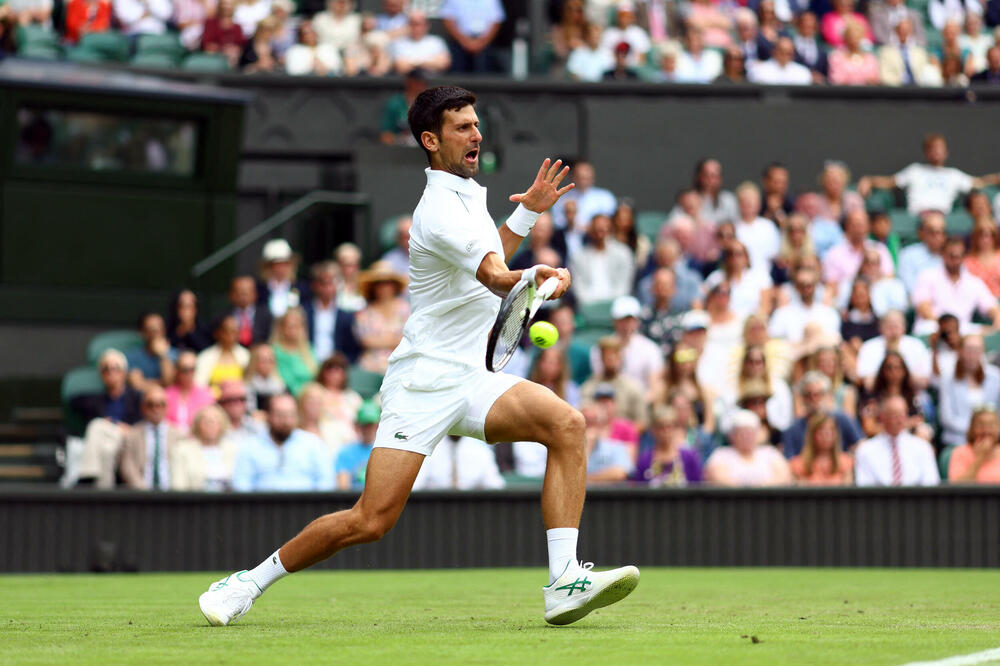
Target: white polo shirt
point(915, 354)
point(932, 188)
point(873, 461)
point(451, 311)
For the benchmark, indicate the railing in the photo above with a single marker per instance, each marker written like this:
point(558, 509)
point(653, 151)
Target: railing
point(278, 220)
point(81, 530)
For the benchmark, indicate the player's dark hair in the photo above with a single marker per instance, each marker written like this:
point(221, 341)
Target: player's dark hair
point(426, 113)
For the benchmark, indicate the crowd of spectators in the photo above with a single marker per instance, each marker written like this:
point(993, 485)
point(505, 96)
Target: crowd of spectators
point(790, 42)
point(759, 336)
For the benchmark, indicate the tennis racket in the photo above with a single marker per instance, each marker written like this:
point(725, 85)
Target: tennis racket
point(516, 312)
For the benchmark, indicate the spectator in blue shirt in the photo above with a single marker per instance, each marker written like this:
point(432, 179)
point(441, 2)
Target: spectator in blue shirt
point(815, 393)
point(472, 25)
point(154, 360)
point(353, 459)
point(608, 460)
point(284, 458)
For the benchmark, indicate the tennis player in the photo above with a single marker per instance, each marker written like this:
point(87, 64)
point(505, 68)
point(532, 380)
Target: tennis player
point(437, 384)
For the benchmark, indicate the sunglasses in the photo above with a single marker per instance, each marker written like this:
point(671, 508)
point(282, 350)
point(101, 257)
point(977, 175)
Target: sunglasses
point(158, 403)
point(185, 368)
point(227, 401)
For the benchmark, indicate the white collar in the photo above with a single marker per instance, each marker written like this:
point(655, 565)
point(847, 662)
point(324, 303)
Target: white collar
point(453, 182)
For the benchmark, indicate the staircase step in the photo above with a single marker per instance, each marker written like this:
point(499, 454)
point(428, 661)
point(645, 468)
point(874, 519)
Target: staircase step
point(39, 415)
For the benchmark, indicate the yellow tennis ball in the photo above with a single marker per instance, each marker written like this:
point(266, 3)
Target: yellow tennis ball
point(543, 334)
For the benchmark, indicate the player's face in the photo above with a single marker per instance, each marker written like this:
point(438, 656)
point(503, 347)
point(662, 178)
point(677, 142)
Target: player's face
point(458, 146)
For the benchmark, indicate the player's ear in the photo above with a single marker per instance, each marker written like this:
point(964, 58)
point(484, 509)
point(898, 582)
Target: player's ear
point(430, 140)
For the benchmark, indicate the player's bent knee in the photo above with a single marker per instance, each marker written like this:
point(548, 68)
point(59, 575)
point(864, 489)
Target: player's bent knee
point(567, 430)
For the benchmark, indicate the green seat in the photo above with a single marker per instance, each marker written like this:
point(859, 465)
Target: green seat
point(154, 60)
point(81, 54)
point(168, 44)
point(111, 46)
point(595, 315)
point(904, 224)
point(40, 52)
point(366, 383)
point(880, 200)
point(944, 459)
point(991, 343)
point(78, 381)
point(34, 35)
point(648, 223)
point(122, 340)
point(206, 62)
point(387, 232)
point(959, 222)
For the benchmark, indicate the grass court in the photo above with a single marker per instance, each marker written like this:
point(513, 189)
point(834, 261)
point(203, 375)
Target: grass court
point(494, 616)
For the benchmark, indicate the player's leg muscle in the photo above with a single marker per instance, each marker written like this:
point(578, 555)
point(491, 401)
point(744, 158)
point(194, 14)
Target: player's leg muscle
point(533, 413)
point(388, 481)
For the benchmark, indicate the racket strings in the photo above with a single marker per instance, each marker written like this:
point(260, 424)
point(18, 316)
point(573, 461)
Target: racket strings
point(513, 325)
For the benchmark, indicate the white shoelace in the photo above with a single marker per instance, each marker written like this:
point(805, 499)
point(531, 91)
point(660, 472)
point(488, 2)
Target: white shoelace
point(586, 565)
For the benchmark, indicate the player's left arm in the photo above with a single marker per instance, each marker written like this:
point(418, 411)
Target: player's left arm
point(538, 198)
point(499, 279)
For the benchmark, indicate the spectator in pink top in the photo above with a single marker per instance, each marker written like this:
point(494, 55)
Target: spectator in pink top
point(834, 24)
point(851, 65)
point(715, 24)
point(983, 259)
point(184, 397)
point(951, 289)
point(844, 259)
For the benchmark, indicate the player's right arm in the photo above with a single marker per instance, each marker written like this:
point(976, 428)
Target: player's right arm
point(495, 276)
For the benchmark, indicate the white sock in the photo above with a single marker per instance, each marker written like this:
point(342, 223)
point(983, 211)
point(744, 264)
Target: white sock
point(562, 549)
point(268, 571)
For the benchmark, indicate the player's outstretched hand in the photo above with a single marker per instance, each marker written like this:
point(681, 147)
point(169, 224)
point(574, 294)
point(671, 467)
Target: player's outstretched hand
point(545, 191)
point(543, 273)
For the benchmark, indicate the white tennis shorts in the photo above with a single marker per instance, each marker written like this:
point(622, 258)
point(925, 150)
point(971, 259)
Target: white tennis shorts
point(416, 419)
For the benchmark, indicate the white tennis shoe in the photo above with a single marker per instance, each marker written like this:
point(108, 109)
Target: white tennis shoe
point(580, 590)
point(229, 599)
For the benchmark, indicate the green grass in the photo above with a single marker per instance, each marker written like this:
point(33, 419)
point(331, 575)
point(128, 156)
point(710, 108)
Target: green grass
point(676, 616)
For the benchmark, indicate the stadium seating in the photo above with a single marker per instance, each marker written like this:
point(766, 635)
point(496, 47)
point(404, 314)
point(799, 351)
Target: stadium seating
point(206, 62)
point(366, 383)
point(122, 340)
point(648, 223)
point(153, 61)
point(108, 46)
point(167, 45)
point(595, 315)
point(78, 381)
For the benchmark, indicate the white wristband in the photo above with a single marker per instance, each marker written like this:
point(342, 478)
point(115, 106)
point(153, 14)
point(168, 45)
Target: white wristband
point(522, 220)
point(528, 274)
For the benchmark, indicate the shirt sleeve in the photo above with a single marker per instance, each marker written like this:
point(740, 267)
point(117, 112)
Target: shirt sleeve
point(963, 181)
point(929, 475)
point(905, 177)
point(243, 472)
point(863, 473)
point(985, 300)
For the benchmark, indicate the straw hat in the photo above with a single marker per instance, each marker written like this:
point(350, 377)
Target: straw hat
point(380, 271)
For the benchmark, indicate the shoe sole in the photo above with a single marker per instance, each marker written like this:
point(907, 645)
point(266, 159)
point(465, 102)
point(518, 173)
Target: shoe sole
point(212, 618)
point(613, 593)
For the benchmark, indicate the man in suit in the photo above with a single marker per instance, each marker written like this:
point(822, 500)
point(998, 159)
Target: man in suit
point(147, 447)
point(992, 72)
point(330, 328)
point(895, 457)
point(904, 62)
point(254, 322)
point(279, 289)
point(883, 17)
point(108, 416)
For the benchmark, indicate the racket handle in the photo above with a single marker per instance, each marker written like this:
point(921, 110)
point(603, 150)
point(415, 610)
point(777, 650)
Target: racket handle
point(547, 288)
